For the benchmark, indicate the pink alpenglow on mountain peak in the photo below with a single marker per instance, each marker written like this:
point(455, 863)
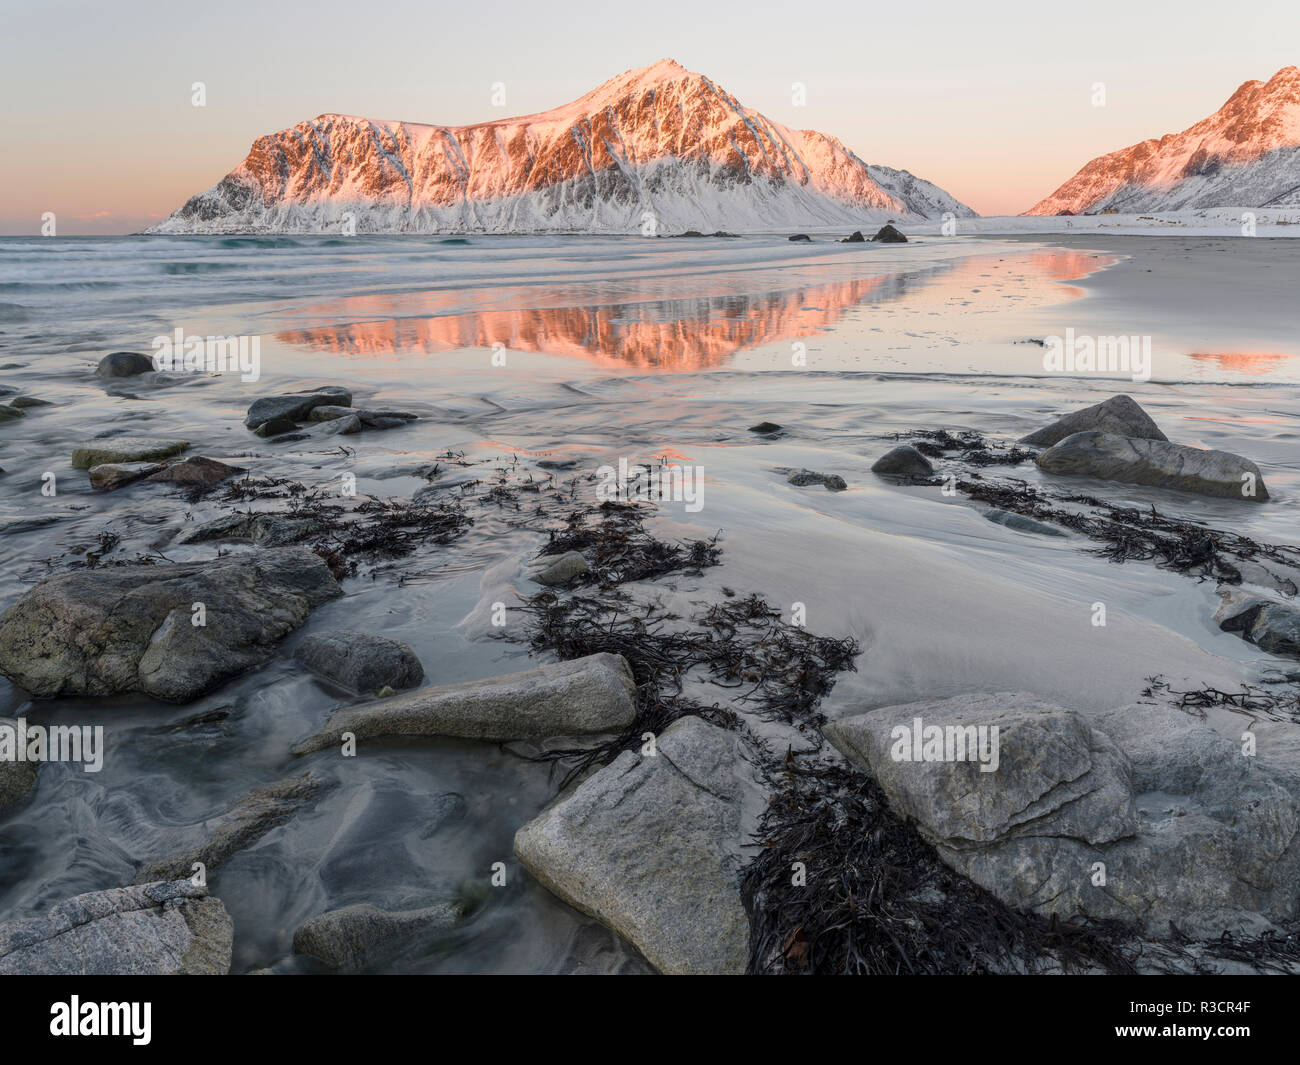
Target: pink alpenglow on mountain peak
point(657, 149)
point(1246, 154)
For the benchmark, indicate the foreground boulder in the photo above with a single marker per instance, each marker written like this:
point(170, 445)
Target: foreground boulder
point(124, 364)
point(160, 929)
point(296, 406)
point(1156, 463)
point(239, 827)
point(651, 845)
point(356, 936)
point(595, 694)
point(131, 629)
point(360, 661)
point(1120, 415)
point(1142, 814)
point(126, 449)
point(16, 778)
point(902, 461)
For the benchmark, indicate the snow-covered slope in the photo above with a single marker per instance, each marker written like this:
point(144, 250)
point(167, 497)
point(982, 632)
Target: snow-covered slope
point(657, 146)
point(1246, 154)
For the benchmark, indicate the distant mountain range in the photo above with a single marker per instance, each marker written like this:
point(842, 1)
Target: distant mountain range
point(1246, 154)
point(657, 143)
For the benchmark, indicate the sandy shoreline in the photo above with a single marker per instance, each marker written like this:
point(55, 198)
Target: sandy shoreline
point(942, 601)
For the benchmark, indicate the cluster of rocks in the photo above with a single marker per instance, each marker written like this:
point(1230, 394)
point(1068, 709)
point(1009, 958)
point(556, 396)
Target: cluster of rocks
point(1116, 440)
point(886, 234)
point(116, 462)
point(279, 417)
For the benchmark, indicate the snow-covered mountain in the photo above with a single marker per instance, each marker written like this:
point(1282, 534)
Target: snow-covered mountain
point(1246, 154)
point(659, 146)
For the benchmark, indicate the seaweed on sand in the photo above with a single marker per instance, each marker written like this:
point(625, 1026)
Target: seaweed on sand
point(1251, 701)
point(779, 670)
point(877, 900)
point(1130, 533)
point(974, 449)
point(613, 538)
point(369, 530)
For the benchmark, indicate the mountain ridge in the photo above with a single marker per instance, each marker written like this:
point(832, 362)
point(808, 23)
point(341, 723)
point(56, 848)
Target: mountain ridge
point(657, 142)
point(1246, 154)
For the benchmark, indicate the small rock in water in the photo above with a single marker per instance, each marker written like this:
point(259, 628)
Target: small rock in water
point(124, 364)
point(16, 778)
point(550, 569)
point(889, 235)
point(766, 428)
point(270, 530)
point(855, 237)
point(1021, 523)
point(1156, 463)
point(800, 236)
point(902, 461)
point(347, 426)
point(251, 818)
point(196, 471)
point(8, 413)
point(296, 406)
point(580, 697)
point(802, 478)
point(22, 402)
point(361, 661)
point(1120, 415)
point(126, 449)
point(557, 464)
point(160, 929)
point(276, 426)
point(112, 475)
point(356, 936)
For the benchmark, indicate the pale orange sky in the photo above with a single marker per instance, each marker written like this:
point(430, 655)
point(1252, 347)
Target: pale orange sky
point(992, 102)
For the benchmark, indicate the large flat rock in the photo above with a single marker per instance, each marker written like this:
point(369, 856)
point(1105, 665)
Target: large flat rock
point(1157, 463)
point(652, 846)
point(595, 694)
point(125, 449)
point(131, 629)
point(159, 929)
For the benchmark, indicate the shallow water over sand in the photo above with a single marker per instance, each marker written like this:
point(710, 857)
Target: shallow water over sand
point(612, 349)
